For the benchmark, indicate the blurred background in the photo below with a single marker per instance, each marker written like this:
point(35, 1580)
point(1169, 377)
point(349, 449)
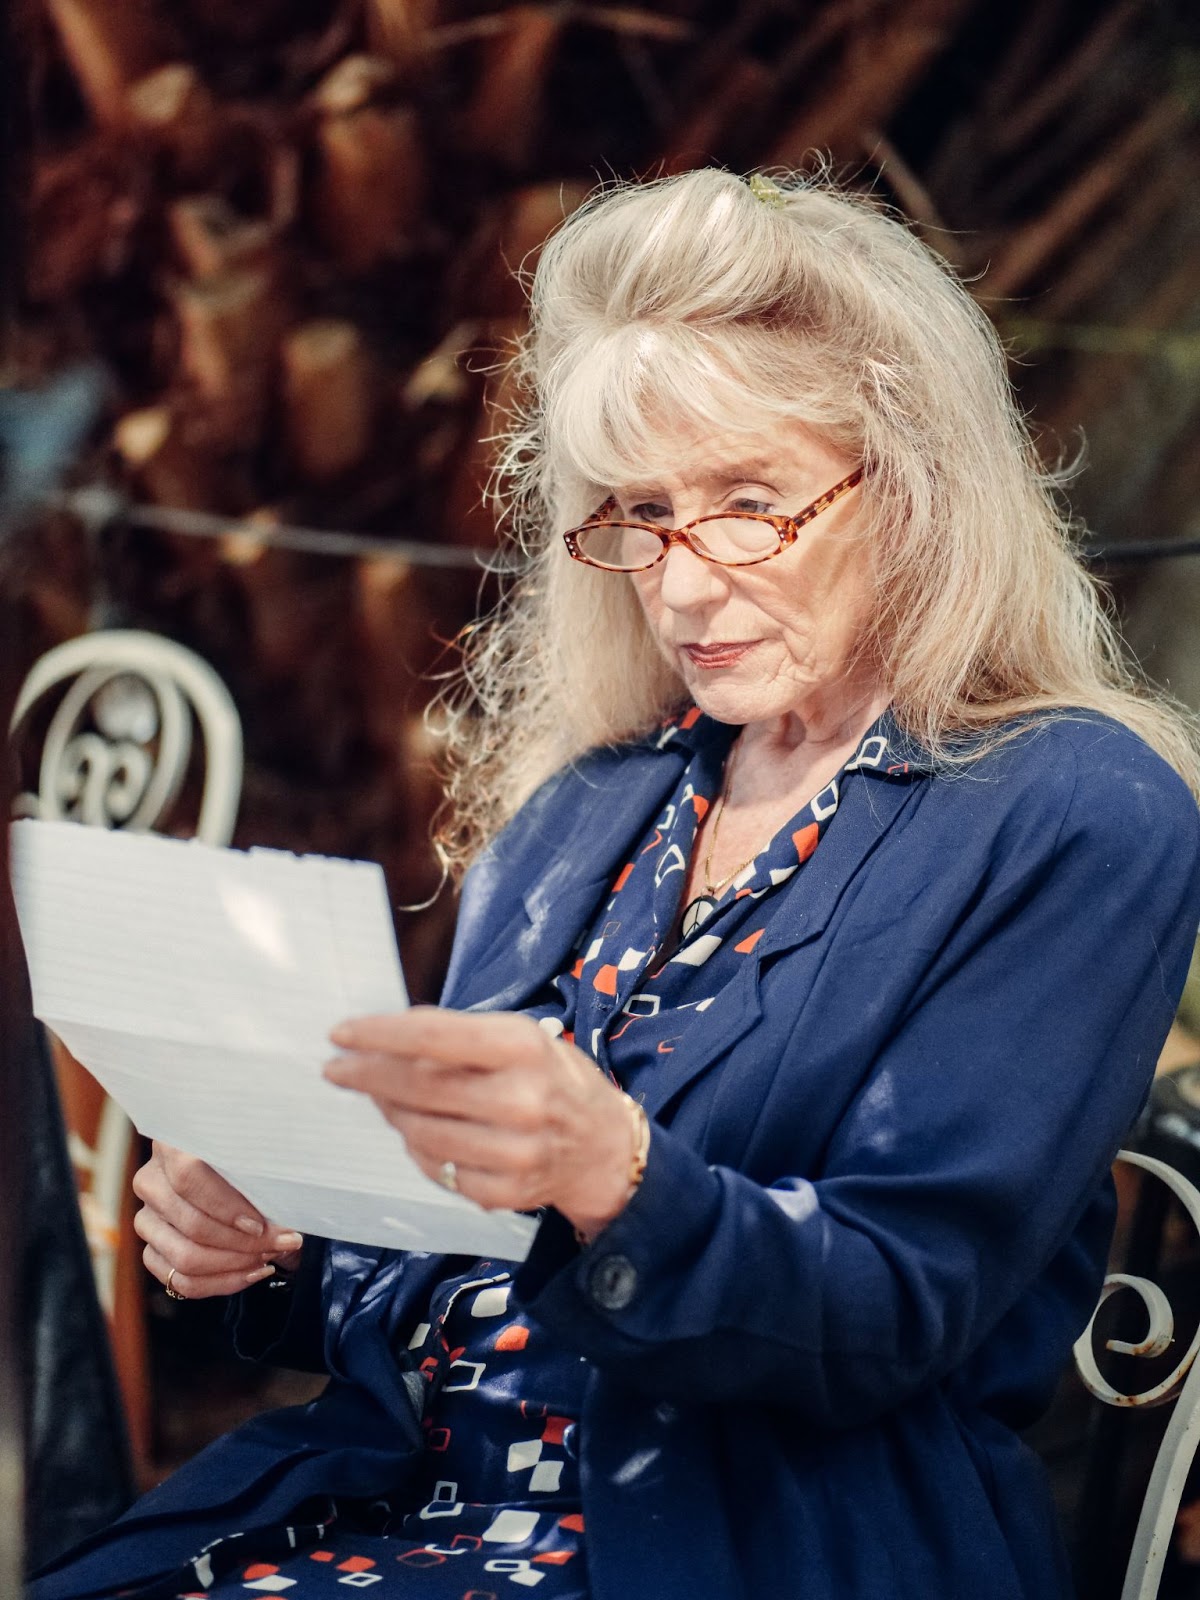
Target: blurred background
point(274, 246)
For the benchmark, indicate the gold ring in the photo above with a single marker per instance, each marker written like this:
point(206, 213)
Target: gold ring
point(448, 1176)
point(174, 1293)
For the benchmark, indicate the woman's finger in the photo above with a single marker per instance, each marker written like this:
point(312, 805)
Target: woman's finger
point(188, 1256)
point(484, 1039)
point(496, 1191)
point(153, 1187)
point(200, 1288)
point(206, 1190)
point(509, 1097)
point(433, 1140)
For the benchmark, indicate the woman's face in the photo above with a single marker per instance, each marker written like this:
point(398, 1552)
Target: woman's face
point(772, 640)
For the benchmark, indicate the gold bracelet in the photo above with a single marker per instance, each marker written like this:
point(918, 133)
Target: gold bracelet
point(641, 1151)
point(641, 1141)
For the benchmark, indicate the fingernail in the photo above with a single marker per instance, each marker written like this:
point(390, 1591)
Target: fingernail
point(288, 1241)
point(260, 1273)
point(248, 1225)
point(342, 1034)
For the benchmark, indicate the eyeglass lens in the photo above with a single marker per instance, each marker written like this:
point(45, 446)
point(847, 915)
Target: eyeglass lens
point(731, 540)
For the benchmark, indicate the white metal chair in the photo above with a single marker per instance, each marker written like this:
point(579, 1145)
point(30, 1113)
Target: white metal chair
point(115, 751)
point(1182, 1385)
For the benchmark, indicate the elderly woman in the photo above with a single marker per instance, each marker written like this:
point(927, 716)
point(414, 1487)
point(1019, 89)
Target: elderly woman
point(831, 888)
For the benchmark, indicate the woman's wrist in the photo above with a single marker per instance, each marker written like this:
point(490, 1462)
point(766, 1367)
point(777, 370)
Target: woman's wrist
point(635, 1146)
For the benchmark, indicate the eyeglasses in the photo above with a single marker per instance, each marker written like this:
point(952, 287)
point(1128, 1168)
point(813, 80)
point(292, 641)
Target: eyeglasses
point(729, 538)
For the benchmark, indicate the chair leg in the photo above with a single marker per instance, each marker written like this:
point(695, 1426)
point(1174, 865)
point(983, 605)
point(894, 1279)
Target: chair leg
point(104, 1149)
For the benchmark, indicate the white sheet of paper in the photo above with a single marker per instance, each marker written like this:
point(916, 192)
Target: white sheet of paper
point(199, 986)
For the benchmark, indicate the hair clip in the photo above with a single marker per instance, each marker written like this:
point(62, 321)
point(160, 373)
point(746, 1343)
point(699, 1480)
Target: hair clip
point(763, 189)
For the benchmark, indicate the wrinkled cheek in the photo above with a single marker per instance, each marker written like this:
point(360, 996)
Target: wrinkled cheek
point(823, 633)
point(793, 619)
point(804, 650)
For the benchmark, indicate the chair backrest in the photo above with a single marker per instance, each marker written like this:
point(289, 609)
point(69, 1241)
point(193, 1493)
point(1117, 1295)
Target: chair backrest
point(1182, 1385)
point(117, 745)
point(116, 714)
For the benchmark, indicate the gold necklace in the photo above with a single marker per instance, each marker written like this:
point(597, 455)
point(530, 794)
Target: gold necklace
point(701, 906)
point(713, 890)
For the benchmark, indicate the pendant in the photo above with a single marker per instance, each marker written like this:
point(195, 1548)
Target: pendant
point(696, 913)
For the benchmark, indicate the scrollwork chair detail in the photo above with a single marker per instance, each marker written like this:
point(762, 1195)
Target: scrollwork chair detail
point(117, 746)
point(114, 754)
point(1156, 1521)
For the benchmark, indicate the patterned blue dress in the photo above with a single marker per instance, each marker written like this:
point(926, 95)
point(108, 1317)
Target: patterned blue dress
point(500, 1510)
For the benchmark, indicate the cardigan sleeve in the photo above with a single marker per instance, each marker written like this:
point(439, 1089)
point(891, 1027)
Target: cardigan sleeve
point(975, 1142)
point(283, 1323)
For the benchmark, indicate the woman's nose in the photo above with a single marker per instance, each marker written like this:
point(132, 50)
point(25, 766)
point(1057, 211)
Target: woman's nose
point(687, 581)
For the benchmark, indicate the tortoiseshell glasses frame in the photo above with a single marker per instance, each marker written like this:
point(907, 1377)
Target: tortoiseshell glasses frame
point(786, 528)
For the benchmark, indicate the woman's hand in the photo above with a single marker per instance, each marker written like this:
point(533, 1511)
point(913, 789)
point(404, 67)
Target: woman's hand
point(526, 1119)
point(198, 1227)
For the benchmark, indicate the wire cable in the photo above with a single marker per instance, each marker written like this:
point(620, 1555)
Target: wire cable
point(98, 506)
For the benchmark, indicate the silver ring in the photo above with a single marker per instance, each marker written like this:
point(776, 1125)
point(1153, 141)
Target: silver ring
point(174, 1293)
point(448, 1176)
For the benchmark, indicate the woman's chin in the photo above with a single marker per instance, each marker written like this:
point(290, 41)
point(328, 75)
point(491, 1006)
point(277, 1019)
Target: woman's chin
point(735, 703)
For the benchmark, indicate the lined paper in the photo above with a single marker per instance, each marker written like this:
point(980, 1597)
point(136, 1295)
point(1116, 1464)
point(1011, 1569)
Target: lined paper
point(199, 985)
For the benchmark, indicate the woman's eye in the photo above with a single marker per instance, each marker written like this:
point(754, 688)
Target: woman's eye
point(760, 508)
point(650, 511)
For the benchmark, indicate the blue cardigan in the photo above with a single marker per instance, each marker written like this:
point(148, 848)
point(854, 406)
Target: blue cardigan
point(875, 1213)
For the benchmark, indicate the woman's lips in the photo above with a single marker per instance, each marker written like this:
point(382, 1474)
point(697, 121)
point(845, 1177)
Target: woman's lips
point(724, 654)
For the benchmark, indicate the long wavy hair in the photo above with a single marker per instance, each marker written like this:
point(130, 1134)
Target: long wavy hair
point(695, 301)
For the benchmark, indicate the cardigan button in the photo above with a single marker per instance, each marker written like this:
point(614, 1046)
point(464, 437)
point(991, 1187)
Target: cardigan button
point(612, 1282)
point(570, 1440)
